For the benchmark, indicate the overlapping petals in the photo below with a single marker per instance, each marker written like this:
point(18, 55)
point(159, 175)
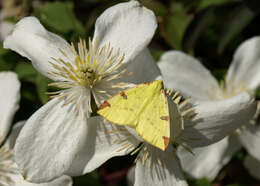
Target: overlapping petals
point(217, 119)
point(207, 161)
point(54, 142)
point(167, 173)
point(185, 74)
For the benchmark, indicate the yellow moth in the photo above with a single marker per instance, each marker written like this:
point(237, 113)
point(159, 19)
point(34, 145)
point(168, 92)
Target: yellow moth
point(144, 108)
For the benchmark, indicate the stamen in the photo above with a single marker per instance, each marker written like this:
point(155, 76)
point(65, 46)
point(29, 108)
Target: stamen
point(7, 166)
point(88, 68)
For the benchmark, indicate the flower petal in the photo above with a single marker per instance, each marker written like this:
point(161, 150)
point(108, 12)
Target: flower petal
point(126, 26)
point(61, 181)
point(143, 68)
point(31, 40)
point(50, 141)
point(208, 161)
point(103, 142)
point(167, 174)
point(253, 166)
point(245, 66)
point(217, 119)
point(15, 132)
point(186, 74)
point(250, 139)
point(9, 101)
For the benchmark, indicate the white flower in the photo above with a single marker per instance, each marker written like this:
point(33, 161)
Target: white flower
point(190, 129)
point(187, 75)
point(55, 142)
point(9, 100)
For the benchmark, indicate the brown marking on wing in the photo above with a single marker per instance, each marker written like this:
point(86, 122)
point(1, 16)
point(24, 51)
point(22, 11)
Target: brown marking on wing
point(166, 141)
point(123, 95)
point(164, 118)
point(104, 105)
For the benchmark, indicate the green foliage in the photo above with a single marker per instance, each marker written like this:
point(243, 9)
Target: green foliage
point(201, 182)
point(210, 30)
point(241, 17)
point(60, 17)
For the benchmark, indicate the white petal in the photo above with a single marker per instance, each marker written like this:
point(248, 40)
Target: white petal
point(5, 29)
point(206, 162)
point(104, 142)
point(250, 139)
point(15, 132)
point(126, 26)
point(245, 66)
point(142, 69)
point(61, 181)
point(9, 101)
point(30, 39)
point(217, 119)
point(186, 74)
point(49, 142)
point(253, 166)
point(169, 173)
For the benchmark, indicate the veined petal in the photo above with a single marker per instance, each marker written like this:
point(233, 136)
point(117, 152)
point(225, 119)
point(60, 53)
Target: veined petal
point(126, 26)
point(9, 101)
point(217, 119)
point(31, 40)
point(50, 141)
point(61, 181)
point(250, 139)
point(103, 142)
point(143, 68)
point(245, 67)
point(253, 166)
point(186, 74)
point(168, 173)
point(206, 162)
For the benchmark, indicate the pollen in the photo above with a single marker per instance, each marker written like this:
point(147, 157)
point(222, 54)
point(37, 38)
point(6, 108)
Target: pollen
point(89, 66)
point(92, 71)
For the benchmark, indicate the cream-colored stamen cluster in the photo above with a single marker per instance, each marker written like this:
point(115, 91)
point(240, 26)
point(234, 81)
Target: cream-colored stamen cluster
point(90, 67)
point(228, 90)
point(7, 167)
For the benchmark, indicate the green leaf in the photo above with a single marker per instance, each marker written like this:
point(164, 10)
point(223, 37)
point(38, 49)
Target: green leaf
point(60, 17)
point(201, 182)
point(157, 54)
point(88, 179)
point(257, 94)
point(26, 72)
point(206, 3)
point(196, 28)
point(157, 7)
point(175, 26)
point(42, 87)
point(7, 59)
point(241, 17)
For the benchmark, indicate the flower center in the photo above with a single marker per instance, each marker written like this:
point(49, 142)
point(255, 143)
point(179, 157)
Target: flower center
point(93, 71)
point(89, 66)
point(228, 90)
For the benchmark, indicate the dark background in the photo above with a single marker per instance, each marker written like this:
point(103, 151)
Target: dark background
point(210, 30)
